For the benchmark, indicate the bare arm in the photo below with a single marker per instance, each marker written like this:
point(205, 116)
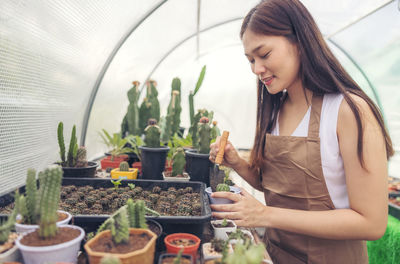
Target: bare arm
point(367, 189)
point(234, 161)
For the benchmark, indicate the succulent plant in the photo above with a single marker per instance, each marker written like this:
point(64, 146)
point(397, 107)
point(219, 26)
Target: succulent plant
point(73, 149)
point(173, 118)
point(81, 160)
point(50, 196)
point(90, 200)
point(222, 187)
point(136, 214)
point(120, 227)
point(150, 107)
point(154, 197)
point(192, 94)
point(152, 134)
point(204, 135)
point(188, 189)
point(124, 166)
point(130, 123)
point(32, 199)
point(179, 162)
point(102, 194)
point(156, 189)
point(215, 132)
point(184, 209)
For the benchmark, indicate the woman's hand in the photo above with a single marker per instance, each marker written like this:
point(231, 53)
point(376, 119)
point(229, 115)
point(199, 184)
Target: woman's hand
point(246, 210)
point(231, 156)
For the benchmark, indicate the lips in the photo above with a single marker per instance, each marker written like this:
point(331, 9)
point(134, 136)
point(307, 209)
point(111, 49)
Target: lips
point(267, 81)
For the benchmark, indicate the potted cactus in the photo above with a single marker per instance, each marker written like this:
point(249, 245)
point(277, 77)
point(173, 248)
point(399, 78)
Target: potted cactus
point(221, 227)
point(150, 107)
point(189, 242)
point(124, 172)
point(153, 154)
point(130, 123)
point(75, 164)
point(169, 258)
point(198, 159)
point(178, 166)
point(173, 118)
point(222, 187)
point(119, 150)
point(216, 249)
point(50, 243)
point(8, 250)
point(29, 212)
point(115, 237)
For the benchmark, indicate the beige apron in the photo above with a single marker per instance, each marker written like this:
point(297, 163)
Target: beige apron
point(292, 178)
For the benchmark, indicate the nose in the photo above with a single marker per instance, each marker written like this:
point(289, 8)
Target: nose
point(258, 68)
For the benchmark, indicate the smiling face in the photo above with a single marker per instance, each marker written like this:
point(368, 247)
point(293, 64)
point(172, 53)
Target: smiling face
point(274, 59)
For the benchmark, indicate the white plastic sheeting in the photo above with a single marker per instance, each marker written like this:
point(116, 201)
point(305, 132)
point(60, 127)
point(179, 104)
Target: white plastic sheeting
point(53, 55)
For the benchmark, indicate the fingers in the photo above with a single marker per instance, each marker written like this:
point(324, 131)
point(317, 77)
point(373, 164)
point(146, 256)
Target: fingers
point(223, 207)
point(226, 215)
point(228, 195)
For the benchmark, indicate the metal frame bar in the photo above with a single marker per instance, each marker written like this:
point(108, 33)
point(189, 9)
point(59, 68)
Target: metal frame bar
point(107, 63)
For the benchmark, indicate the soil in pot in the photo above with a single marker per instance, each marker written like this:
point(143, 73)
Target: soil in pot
point(107, 245)
point(64, 234)
point(170, 260)
point(183, 242)
point(9, 243)
point(61, 216)
point(219, 225)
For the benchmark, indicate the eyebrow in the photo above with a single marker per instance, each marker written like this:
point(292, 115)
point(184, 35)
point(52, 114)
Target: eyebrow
point(255, 49)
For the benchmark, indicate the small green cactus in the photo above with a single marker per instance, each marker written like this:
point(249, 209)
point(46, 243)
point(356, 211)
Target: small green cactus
point(215, 132)
point(7, 225)
point(179, 162)
point(116, 183)
point(32, 196)
point(124, 166)
point(73, 148)
point(110, 259)
point(49, 200)
point(177, 259)
point(152, 131)
point(136, 214)
point(204, 136)
point(131, 186)
point(131, 120)
point(222, 187)
point(81, 160)
point(60, 138)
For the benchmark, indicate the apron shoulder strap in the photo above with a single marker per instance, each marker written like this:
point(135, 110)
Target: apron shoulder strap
point(315, 115)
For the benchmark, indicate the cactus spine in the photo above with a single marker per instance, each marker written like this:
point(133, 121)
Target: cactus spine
point(192, 94)
point(60, 138)
point(222, 187)
point(124, 166)
point(152, 131)
point(132, 116)
point(120, 227)
point(81, 160)
point(136, 214)
point(110, 259)
point(179, 162)
point(32, 197)
point(50, 197)
point(204, 136)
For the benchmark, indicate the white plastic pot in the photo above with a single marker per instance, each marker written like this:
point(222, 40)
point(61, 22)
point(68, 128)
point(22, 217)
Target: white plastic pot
point(220, 232)
point(64, 252)
point(233, 189)
point(209, 254)
point(186, 178)
point(22, 228)
point(234, 241)
point(11, 255)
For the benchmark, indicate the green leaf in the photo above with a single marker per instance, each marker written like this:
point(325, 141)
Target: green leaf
point(200, 80)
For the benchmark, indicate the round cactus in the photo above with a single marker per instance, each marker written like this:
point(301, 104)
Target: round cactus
point(124, 166)
point(222, 187)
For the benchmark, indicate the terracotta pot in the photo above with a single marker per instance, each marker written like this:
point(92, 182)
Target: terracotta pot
point(137, 165)
point(190, 250)
point(108, 163)
point(142, 256)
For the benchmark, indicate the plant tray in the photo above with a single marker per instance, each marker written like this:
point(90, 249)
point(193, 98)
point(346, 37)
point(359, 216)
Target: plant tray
point(170, 224)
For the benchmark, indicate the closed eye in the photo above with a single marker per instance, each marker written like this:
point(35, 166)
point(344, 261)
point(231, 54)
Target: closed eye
point(266, 55)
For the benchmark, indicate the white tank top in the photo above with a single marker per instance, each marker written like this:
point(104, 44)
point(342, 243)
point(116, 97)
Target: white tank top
point(332, 163)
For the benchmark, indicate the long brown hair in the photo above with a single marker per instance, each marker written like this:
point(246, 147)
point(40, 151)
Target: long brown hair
point(319, 71)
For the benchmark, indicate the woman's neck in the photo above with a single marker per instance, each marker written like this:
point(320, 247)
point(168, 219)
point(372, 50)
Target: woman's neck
point(298, 95)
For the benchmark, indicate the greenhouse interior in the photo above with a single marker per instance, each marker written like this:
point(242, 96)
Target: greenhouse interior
point(130, 131)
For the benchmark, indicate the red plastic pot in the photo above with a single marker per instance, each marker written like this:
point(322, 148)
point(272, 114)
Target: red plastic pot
point(108, 163)
point(190, 250)
point(137, 165)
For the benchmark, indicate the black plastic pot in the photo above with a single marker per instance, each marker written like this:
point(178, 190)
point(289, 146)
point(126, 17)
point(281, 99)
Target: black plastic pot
point(86, 172)
point(168, 255)
point(198, 166)
point(153, 162)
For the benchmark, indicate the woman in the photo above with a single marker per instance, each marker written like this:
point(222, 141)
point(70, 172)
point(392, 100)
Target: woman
point(321, 147)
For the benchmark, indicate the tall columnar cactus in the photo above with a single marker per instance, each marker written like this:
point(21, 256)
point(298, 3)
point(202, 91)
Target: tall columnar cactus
point(31, 202)
point(124, 166)
point(81, 160)
point(204, 136)
point(152, 131)
point(192, 94)
point(215, 132)
point(193, 130)
point(49, 200)
point(136, 214)
point(179, 162)
point(150, 107)
point(173, 118)
point(60, 137)
point(132, 116)
point(120, 227)
point(176, 103)
point(73, 148)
